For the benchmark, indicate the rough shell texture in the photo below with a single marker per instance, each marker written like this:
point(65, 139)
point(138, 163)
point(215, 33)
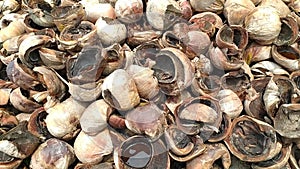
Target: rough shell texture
point(263, 24)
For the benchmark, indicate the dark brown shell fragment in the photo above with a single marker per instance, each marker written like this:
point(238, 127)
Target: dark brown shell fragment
point(286, 121)
point(87, 66)
point(252, 140)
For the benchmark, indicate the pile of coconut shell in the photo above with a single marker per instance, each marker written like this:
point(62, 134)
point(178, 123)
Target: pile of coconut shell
point(168, 84)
